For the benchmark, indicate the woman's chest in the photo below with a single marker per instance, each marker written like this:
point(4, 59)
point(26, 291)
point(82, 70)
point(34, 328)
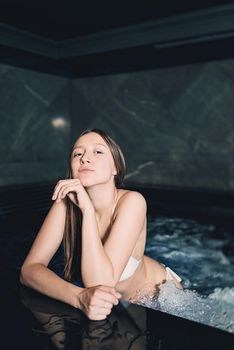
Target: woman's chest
point(104, 229)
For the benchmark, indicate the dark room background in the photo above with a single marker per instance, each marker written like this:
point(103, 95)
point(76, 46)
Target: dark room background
point(174, 124)
point(158, 77)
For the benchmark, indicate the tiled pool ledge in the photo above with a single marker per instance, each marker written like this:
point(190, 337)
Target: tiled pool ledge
point(206, 204)
point(30, 320)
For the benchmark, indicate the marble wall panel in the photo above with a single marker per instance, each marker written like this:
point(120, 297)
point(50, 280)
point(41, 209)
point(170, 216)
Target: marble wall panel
point(175, 125)
point(35, 126)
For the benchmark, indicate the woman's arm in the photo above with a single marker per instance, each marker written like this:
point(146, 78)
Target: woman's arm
point(45, 281)
point(96, 302)
point(104, 264)
point(34, 272)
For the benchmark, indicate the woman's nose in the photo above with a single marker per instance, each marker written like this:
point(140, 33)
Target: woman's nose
point(85, 158)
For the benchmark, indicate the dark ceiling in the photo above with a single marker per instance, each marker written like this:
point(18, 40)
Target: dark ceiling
point(82, 38)
point(69, 19)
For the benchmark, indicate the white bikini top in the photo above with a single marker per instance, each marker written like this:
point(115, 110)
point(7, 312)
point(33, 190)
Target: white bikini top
point(132, 263)
point(130, 268)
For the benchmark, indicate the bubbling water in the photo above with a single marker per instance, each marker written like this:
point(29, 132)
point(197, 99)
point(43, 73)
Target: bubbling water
point(202, 255)
point(215, 310)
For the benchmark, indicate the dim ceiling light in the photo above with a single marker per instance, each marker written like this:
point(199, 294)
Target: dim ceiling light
point(59, 122)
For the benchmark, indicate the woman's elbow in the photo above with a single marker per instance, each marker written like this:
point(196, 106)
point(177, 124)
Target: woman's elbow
point(91, 282)
point(105, 277)
point(26, 274)
point(23, 275)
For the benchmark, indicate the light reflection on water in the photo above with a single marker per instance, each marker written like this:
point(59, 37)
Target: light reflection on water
point(202, 255)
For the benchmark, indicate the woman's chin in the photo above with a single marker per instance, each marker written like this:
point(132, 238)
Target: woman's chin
point(86, 183)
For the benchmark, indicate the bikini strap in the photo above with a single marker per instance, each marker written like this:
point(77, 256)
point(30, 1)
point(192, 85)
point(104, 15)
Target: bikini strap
point(114, 206)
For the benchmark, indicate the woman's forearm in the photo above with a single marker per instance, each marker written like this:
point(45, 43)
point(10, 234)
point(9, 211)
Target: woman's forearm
point(95, 302)
point(45, 281)
point(95, 264)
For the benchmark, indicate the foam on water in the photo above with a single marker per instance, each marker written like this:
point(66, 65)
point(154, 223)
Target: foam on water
point(202, 255)
point(215, 310)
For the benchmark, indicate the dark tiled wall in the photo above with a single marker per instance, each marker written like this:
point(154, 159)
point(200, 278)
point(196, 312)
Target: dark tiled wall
point(35, 126)
point(175, 125)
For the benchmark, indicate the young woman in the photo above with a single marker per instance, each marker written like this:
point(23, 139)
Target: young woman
point(103, 228)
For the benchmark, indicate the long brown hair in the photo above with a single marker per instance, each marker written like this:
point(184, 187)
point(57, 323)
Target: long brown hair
point(72, 235)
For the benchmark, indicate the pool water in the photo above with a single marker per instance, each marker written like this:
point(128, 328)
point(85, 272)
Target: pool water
point(202, 255)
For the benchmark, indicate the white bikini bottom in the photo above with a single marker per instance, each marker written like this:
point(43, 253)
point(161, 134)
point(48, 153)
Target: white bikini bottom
point(171, 275)
point(134, 263)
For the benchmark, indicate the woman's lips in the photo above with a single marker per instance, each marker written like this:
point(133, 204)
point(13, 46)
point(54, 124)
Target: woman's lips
point(85, 170)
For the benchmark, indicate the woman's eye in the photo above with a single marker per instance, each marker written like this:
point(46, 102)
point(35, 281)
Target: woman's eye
point(77, 154)
point(99, 152)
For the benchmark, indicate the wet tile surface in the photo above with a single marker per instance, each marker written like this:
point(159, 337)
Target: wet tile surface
point(30, 320)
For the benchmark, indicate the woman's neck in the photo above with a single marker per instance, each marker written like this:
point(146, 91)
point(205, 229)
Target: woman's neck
point(103, 197)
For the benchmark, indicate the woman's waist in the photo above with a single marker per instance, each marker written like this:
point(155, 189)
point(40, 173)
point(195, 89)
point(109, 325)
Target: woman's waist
point(148, 274)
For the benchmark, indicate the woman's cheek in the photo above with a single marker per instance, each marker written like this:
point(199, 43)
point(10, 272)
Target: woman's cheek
point(74, 172)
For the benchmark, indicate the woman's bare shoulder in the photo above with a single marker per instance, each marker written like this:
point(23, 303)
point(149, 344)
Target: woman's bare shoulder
point(130, 193)
point(130, 197)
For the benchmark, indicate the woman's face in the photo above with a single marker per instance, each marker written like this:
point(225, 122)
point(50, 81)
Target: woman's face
point(91, 160)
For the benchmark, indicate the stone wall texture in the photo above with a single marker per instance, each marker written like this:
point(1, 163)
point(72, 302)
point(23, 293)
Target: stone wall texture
point(175, 125)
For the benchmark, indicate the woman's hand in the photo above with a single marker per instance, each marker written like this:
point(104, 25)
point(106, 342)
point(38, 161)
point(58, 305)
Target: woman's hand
point(97, 302)
point(75, 191)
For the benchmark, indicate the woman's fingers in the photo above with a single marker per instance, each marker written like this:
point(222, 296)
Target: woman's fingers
point(57, 188)
point(61, 185)
point(109, 294)
point(111, 291)
point(98, 312)
point(66, 189)
point(73, 187)
point(109, 299)
point(104, 295)
point(97, 302)
point(107, 305)
point(102, 303)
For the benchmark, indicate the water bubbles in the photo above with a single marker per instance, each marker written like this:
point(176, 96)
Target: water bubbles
point(225, 294)
point(189, 304)
point(202, 254)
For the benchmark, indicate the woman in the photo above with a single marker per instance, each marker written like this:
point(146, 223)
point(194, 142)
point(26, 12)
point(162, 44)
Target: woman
point(104, 232)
